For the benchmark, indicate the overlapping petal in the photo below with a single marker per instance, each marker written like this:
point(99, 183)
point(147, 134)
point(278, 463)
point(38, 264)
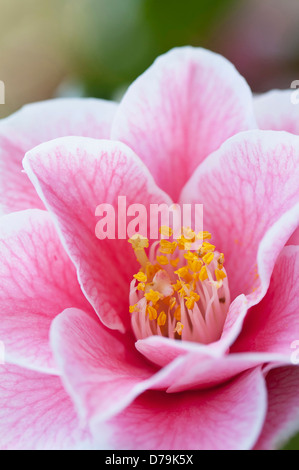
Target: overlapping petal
point(273, 324)
point(37, 281)
point(102, 371)
point(228, 417)
point(37, 414)
point(278, 110)
point(180, 110)
point(282, 420)
point(73, 176)
point(250, 192)
point(41, 122)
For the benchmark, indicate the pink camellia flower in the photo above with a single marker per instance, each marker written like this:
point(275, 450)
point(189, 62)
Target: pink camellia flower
point(175, 349)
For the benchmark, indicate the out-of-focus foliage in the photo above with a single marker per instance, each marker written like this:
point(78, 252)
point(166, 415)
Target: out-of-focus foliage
point(32, 61)
point(111, 42)
point(293, 444)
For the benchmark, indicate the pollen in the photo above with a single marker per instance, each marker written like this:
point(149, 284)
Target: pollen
point(204, 236)
point(174, 262)
point(182, 272)
point(179, 328)
point(139, 242)
point(207, 247)
point(203, 275)
point(133, 308)
point(167, 247)
point(191, 299)
point(141, 277)
point(179, 292)
point(166, 231)
point(153, 296)
point(208, 258)
point(162, 319)
point(152, 312)
point(219, 274)
point(141, 286)
point(177, 313)
point(162, 260)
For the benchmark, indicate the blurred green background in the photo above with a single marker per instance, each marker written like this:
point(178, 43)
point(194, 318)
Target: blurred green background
point(52, 48)
point(97, 47)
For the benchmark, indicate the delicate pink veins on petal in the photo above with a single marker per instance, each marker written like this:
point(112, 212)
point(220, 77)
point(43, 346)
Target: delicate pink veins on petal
point(36, 413)
point(180, 110)
point(102, 370)
point(273, 324)
point(73, 177)
point(37, 123)
point(228, 417)
point(37, 281)
point(249, 189)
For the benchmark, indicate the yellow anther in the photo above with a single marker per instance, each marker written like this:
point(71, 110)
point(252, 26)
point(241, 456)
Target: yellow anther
point(188, 234)
point(153, 296)
point(179, 328)
point(220, 275)
point(138, 242)
point(152, 312)
point(184, 273)
point(177, 285)
point(162, 319)
point(196, 265)
point(208, 258)
point(174, 262)
point(141, 286)
point(166, 231)
point(203, 236)
point(167, 247)
point(133, 308)
point(141, 277)
point(220, 261)
point(162, 260)
point(203, 275)
point(191, 299)
point(208, 247)
point(184, 290)
point(177, 313)
point(221, 258)
point(190, 256)
point(172, 302)
point(184, 243)
point(151, 270)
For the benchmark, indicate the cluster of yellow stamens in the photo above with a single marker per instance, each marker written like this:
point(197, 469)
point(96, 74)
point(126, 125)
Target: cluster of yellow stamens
point(177, 286)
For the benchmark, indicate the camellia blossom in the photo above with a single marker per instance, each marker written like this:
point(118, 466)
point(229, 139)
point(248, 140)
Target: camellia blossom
point(148, 345)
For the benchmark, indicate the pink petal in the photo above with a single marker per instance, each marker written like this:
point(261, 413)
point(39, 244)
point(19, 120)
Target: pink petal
point(37, 281)
point(180, 110)
point(36, 413)
point(37, 123)
point(190, 366)
point(273, 324)
point(277, 111)
point(250, 193)
point(73, 176)
point(101, 370)
point(294, 239)
point(282, 420)
point(229, 417)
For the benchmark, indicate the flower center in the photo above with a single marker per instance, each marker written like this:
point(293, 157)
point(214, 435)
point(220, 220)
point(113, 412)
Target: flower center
point(179, 293)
